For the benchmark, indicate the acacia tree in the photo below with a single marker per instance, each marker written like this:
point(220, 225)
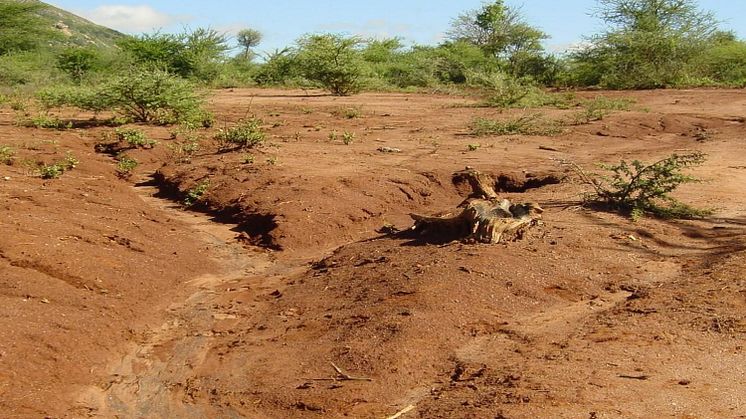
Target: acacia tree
point(332, 60)
point(193, 54)
point(249, 39)
point(500, 31)
point(647, 44)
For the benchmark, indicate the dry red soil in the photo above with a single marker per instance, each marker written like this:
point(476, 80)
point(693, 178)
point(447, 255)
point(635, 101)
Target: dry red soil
point(115, 301)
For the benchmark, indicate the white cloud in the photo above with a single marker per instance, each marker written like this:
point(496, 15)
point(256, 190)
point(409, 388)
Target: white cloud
point(142, 18)
point(569, 48)
point(375, 28)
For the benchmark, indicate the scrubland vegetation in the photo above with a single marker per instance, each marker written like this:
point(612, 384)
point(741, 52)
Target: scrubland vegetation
point(492, 50)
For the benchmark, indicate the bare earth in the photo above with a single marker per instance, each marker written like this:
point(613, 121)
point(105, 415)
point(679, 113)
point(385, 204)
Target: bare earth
point(117, 302)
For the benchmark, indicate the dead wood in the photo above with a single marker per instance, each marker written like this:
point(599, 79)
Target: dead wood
point(485, 218)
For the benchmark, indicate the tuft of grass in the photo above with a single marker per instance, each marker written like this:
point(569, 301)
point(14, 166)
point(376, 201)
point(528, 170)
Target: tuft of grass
point(533, 124)
point(348, 112)
point(348, 137)
point(473, 147)
point(7, 155)
point(246, 134)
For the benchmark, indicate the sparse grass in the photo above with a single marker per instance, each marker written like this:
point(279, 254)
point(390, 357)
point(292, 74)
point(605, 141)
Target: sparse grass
point(586, 116)
point(7, 155)
point(196, 194)
point(608, 104)
point(533, 124)
point(47, 121)
point(134, 138)
point(333, 136)
point(246, 134)
point(272, 160)
point(184, 150)
point(248, 159)
point(348, 112)
point(125, 165)
point(55, 170)
point(473, 147)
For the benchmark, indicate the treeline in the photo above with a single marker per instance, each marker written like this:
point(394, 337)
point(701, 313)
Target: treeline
point(645, 44)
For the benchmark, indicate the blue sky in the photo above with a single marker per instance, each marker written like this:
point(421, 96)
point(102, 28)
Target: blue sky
point(417, 21)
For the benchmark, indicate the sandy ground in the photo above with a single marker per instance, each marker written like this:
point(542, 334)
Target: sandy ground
point(115, 301)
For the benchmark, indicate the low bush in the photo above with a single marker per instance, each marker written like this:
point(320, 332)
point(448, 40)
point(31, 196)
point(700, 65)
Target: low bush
point(125, 165)
point(639, 188)
point(246, 134)
point(196, 194)
point(144, 95)
point(135, 138)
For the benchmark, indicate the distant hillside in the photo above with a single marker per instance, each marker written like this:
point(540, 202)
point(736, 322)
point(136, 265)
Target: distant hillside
point(78, 31)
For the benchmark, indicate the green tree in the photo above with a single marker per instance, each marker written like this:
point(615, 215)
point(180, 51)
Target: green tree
point(647, 43)
point(193, 54)
point(77, 62)
point(21, 27)
point(332, 60)
point(501, 32)
point(249, 39)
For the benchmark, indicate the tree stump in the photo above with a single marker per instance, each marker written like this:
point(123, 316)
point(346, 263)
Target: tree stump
point(485, 218)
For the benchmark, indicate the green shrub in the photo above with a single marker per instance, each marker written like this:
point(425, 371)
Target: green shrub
point(195, 194)
point(83, 97)
point(55, 170)
point(638, 188)
point(334, 61)
point(134, 138)
point(279, 67)
point(195, 54)
point(125, 165)
point(246, 134)
point(724, 63)
point(78, 62)
point(154, 96)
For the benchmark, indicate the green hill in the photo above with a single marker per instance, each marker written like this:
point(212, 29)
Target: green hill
point(74, 30)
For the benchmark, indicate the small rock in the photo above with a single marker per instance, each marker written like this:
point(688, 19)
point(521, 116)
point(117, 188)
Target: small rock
point(389, 150)
point(6, 178)
point(684, 382)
